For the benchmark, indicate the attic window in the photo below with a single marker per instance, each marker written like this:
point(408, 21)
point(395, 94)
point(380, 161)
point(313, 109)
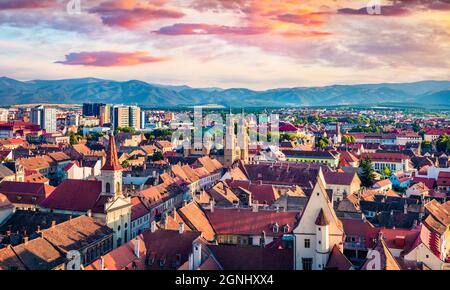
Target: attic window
point(275, 228)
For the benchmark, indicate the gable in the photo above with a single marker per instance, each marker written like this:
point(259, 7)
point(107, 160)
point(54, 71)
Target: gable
point(118, 203)
point(318, 201)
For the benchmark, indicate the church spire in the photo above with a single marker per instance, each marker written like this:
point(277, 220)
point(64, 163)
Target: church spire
point(112, 161)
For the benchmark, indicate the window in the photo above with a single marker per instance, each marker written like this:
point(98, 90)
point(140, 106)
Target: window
point(108, 187)
point(307, 264)
point(307, 243)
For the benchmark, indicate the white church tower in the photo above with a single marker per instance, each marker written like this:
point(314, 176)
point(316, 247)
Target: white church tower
point(117, 207)
point(318, 231)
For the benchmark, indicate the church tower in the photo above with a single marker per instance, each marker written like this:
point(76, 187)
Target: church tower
point(111, 175)
point(243, 138)
point(229, 148)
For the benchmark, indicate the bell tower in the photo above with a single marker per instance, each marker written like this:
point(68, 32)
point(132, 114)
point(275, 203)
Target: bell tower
point(244, 138)
point(111, 175)
point(229, 149)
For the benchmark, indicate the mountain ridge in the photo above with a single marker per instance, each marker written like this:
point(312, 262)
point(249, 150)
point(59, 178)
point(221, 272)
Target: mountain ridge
point(65, 91)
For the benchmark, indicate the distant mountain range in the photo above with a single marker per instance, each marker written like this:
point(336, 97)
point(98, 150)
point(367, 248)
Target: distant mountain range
point(71, 91)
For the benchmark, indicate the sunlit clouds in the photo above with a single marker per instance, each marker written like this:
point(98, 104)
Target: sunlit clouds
point(227, 43)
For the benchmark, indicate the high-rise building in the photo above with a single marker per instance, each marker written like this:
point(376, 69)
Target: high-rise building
point(143, 120)
point(126, 116)
point(121, 117)
point(92, 109)
point(44, 117)
point(105, 115)
point(4, 115)
point(135, 117)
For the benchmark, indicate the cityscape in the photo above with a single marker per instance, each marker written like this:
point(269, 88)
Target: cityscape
point(130, 161)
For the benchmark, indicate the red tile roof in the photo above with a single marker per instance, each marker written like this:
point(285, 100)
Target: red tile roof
point(247, 222)
point(77, 195)
point(341, 178)
point(338, 261)
point(24, 192)
point(387, 157)
point(138, 209)
point(262, 193)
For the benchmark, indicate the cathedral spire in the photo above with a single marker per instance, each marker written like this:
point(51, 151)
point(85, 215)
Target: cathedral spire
point(112, 161)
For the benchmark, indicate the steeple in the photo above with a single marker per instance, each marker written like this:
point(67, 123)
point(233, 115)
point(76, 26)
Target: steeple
point(112, 160)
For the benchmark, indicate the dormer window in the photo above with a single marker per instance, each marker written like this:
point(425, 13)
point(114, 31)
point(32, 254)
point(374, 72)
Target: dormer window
point(275, 228)
point(286, 229)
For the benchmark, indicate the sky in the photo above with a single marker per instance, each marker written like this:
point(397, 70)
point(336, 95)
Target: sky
point(256, 44)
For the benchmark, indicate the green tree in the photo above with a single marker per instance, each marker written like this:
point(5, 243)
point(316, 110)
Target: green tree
point(443, 143)
point(366, 172)
point(74, 138)
point(387, 172)
point(125, 164)
point(426, 147)
point(157, 156)
point(348, 139)
point(323, 142)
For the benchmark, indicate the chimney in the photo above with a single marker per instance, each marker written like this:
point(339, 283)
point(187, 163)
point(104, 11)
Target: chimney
point(255, 207)
point(53, 223)
point(101, 263)
point(181, 228)
point(197, 255)
point(25, 240)
point(153, 226)
point(211, 205)
point(174, 215)
point(137, 243)
point(89, 213)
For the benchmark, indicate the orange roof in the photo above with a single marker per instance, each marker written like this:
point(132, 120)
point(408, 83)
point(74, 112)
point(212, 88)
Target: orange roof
point(194, 216)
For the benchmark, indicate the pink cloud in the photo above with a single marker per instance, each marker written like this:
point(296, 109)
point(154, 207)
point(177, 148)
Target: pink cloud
point(129, 14)
point(302, 19)
point(26, 4)
point(201, 29)
point(109, 58)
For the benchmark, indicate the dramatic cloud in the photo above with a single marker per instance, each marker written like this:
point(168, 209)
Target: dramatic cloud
point(395, 10)
point(129, 14)
point(218, 5)
point(303, 19)
point(109, 59)
point(199, 29)
point(401, 7)
point(288, 41)
point(26, 4)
